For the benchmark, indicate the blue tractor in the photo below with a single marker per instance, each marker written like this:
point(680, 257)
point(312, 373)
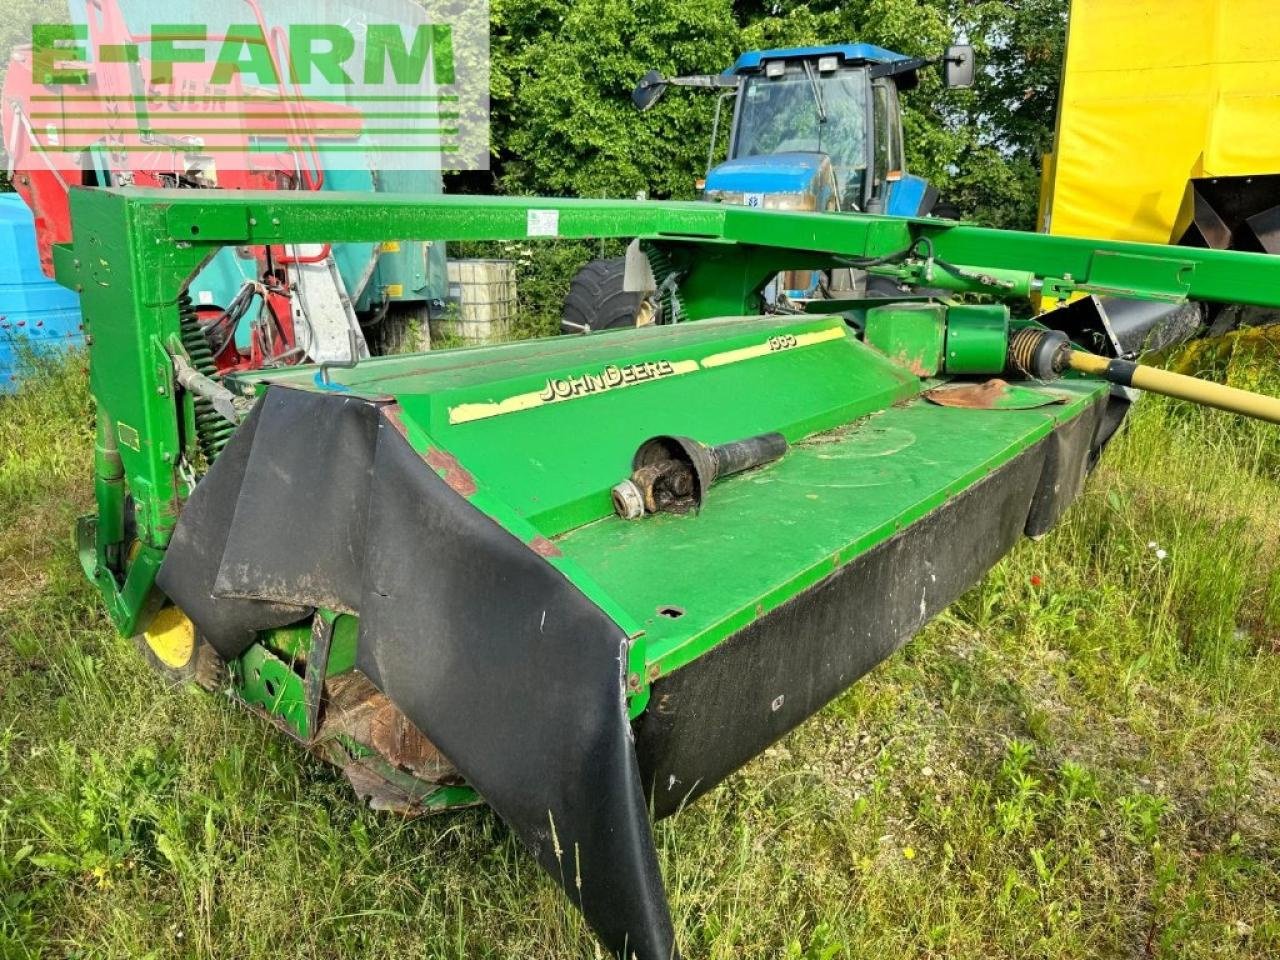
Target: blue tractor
point(814, 128)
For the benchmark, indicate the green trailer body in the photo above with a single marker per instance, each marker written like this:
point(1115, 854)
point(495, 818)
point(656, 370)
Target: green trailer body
point(414, 565)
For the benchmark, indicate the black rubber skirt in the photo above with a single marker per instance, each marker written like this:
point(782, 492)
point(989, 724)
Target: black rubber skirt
point(513, 673)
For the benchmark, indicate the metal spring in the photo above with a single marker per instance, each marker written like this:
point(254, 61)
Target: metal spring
point(1022, 350)
point(672, 306)
point(212, 431)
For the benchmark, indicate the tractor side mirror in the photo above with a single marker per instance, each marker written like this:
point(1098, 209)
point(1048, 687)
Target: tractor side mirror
point(649, 90)
point(958, 65)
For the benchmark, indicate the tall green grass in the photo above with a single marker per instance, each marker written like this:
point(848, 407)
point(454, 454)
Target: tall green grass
point(1078, 759)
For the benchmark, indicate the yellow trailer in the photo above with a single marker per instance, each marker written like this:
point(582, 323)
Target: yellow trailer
point(1169, 124)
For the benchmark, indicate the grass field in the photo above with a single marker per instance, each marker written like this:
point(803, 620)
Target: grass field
point(1081, 758)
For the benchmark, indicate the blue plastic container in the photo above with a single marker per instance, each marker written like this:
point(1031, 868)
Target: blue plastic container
point(34, 310)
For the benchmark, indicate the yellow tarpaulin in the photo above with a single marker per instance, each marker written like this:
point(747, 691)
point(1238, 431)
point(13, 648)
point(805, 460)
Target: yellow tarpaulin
point(1154, 93)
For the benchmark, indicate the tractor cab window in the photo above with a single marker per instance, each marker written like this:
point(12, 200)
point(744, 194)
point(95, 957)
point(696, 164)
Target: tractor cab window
point(888, 136)
point(784, 114)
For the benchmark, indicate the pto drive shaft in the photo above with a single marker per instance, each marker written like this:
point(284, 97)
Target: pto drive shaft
point(1128, 374)
point(1045, 354)
point(672, 474)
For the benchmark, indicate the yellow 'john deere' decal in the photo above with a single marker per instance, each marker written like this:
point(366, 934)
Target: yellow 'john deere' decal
point(612, 377)
point(568, 388)
point(618, 376)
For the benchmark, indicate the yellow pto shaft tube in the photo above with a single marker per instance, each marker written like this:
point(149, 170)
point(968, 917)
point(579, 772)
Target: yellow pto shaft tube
point(1128, 374)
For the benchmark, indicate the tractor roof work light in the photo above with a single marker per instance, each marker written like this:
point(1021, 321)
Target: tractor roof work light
point(828, 64)
point(775, 68)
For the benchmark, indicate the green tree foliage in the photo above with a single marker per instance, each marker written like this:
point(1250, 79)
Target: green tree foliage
point(1008, 119)
point(563, 70)
point(563, 122)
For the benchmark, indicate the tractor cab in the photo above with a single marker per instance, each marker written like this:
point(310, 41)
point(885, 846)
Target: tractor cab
point(816, 128)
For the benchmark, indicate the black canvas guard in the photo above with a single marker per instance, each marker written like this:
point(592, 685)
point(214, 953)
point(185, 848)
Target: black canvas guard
point(516, 675)
point(709, 718)
point(1068, 457)
point(195, 552)
point(502, 662)
point(317, 561)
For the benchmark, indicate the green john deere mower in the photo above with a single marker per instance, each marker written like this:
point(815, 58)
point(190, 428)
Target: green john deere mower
point(584, 579)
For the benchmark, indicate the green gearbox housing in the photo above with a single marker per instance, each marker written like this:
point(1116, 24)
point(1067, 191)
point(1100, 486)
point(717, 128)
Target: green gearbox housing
point(932, 338)
point(414, 565)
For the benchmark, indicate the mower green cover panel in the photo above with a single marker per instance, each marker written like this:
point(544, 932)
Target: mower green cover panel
point(577, 667)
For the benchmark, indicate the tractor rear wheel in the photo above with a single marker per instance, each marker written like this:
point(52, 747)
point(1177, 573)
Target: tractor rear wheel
point(597, 300)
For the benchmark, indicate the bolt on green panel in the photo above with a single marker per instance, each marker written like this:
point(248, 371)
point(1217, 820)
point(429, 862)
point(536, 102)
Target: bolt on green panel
point(910, 334)
point(977, 338)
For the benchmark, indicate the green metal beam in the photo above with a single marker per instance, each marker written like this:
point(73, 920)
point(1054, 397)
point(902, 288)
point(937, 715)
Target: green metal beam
point(762, 240)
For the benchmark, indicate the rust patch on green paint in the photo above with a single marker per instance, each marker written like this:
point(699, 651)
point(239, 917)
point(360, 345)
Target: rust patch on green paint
point(454, 473)
point(544, 547)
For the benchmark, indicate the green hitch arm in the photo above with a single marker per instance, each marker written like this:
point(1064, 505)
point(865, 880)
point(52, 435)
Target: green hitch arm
point(960, 278)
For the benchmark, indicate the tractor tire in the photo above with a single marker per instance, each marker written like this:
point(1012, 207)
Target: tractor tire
point(596, 300)
point(946, 210)
point(174, 649)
